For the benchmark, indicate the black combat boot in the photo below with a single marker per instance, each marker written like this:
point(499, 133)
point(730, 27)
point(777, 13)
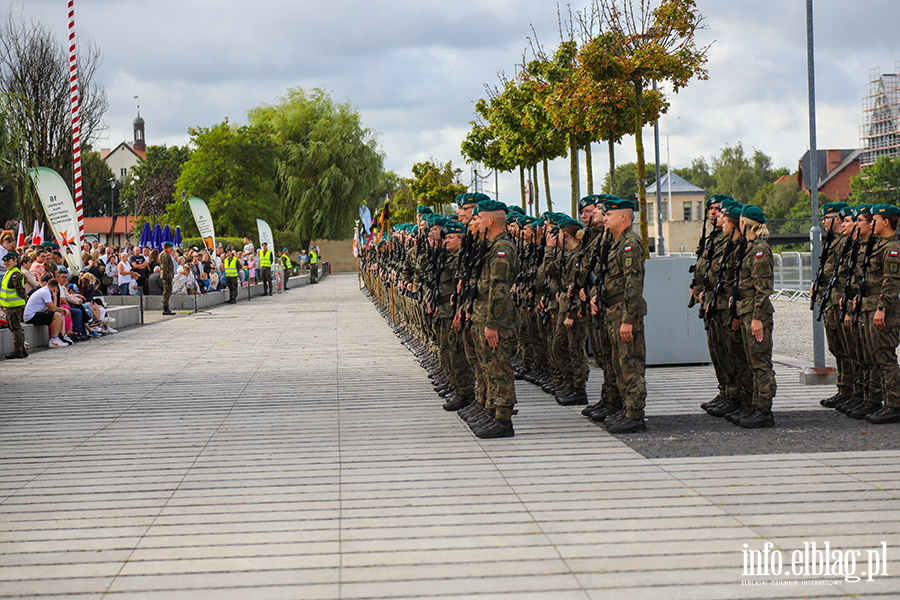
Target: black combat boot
point(497, 429)
point(834, 400)
point(627, 425)
point(761, 417)
point(458, 402)
point(577, 397)
point(886, 414)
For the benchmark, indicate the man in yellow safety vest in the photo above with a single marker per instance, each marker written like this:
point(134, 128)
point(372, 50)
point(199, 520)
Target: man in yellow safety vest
point(265, 267)
point(231, 275)
point(287, 265)
point(12, 298)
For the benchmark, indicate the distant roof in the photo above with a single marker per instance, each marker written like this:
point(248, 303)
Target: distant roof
point(821, 162)
point(95, 225)
point(129, 146)
point(680, 185)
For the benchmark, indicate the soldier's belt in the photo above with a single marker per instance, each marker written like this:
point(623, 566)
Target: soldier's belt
point(613, 300)
point(745, 294)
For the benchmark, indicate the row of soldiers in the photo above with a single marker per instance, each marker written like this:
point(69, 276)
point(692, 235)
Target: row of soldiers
point(856, 291)
point(493, 295)
point(732, 283)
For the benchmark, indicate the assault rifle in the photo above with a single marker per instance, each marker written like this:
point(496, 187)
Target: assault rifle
point(844, 304)
point(738, 260)
point(820, 273)
point(864, 274)
point(701, 246)
point(832, 281)
point(464, 250)
point(604, 249)
point(713, 300)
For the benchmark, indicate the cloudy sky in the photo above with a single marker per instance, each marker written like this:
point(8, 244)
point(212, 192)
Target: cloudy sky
point(414, 68)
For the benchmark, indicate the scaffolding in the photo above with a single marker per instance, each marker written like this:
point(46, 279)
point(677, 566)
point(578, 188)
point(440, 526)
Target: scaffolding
point(880, 131)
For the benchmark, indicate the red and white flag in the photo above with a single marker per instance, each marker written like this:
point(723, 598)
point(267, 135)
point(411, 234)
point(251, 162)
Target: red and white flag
point(21, 241)
point(38, 236)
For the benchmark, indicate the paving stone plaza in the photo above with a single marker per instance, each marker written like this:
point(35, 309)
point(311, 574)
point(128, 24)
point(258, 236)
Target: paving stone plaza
point(290, 447)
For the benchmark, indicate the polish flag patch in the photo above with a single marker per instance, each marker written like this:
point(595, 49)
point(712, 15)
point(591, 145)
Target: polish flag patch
point(501, 254)
point(759, 254)
point(627, 248)
point(893, 253)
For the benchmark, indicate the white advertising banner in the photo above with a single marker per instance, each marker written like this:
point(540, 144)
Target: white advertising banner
point(204, 223)
point(60, 208)
point(265, 234)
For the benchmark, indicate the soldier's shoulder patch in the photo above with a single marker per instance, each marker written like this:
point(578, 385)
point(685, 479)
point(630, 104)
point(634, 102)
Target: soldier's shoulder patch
point(893, 254)
point(501, 254)
point(627, 248)
point(759, 254)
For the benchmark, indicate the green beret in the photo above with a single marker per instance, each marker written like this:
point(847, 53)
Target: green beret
point(754, 212)
point(732, 209)
point(490, 206)
point(526, 220)
point(718, 199)
point(833, 207)
point(466, 199)
point(172, 244)
point(862, 209)
point(617, 204)
point(10, 256)
point(538, 223)
point(453, 217)
point(437, 221)
point(568, 222)
point(846, 211)
point(453, 227)
point(512, 217)
point(589, 201)
point(514, 208)
point(423, 210)
point(886, 209)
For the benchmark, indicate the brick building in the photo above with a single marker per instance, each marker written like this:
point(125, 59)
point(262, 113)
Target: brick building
point(835, 168)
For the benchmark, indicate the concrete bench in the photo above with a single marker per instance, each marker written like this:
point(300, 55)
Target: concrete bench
point(39, 336)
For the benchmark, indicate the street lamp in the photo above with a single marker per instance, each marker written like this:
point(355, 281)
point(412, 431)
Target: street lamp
point(183, 198)
point(112, 208)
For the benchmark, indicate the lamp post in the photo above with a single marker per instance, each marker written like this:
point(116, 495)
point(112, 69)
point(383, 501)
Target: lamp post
point(112, 208)
point(183, 197)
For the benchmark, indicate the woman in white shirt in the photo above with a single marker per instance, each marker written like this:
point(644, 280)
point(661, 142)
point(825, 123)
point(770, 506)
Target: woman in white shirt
point(125, 275)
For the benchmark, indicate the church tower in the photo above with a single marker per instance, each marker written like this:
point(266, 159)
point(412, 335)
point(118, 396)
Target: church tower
point(139, 142)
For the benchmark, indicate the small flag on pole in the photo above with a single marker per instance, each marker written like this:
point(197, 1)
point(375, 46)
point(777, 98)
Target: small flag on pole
point(38, 236)
point(21, 241)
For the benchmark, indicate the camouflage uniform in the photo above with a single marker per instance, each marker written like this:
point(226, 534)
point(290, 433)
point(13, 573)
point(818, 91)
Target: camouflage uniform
point(726, 343)
point(834, 331)
point(167, 272)
point(599, 334)
point(882, 291)
point(453, 354)
point(623, 298)
point(756, 280)
point(569, 342)
point(494, 310)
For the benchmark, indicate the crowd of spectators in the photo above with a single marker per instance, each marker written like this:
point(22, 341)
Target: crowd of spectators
point(72, 304)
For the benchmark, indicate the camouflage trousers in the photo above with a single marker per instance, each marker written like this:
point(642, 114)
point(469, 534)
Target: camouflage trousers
point(545, 333)
point(14, 318)
point(726, 351)
point(761, 377)
point(167, 292)
point(602, 347)
point(882, 347)
point(568, 345)
point(453, 359)
point(472, 357)
point(837, 345)
point(232, 288)
point(629, 361)
point(862, 368)
point(538, 348)
point(499, 378)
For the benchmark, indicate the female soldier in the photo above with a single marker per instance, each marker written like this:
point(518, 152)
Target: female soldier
point(755, 310)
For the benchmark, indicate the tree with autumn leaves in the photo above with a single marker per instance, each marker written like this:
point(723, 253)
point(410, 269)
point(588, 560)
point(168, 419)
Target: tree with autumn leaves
point(602, 90)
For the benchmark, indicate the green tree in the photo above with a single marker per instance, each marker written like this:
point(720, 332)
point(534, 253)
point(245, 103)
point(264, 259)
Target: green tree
point(878, 183)
point(778, 200)
point(741, 177)
point(624, 182)
point(388, 184)
point(698, 174)
point(35, 87)
point(434, 184)
point(232, 170)
point(656, 44)
point(327, 163)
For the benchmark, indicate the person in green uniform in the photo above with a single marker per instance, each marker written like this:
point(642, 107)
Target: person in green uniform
point(570, 336)
point(495, 320)
point(881, 309)
point(623, 298)
point(167, 266)
point(12, 299)
point(453, 353)
point(265, 267)
point(755, 311)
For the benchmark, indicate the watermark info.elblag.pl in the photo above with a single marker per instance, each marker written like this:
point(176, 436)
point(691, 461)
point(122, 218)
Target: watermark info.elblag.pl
point(819, 561)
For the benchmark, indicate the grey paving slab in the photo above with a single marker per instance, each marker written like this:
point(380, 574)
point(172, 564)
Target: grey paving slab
point(290, 447)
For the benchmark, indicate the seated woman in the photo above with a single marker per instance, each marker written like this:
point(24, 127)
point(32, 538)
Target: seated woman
point(179, 283)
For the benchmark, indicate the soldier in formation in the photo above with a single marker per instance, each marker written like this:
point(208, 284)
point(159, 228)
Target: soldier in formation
point(491, 295)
